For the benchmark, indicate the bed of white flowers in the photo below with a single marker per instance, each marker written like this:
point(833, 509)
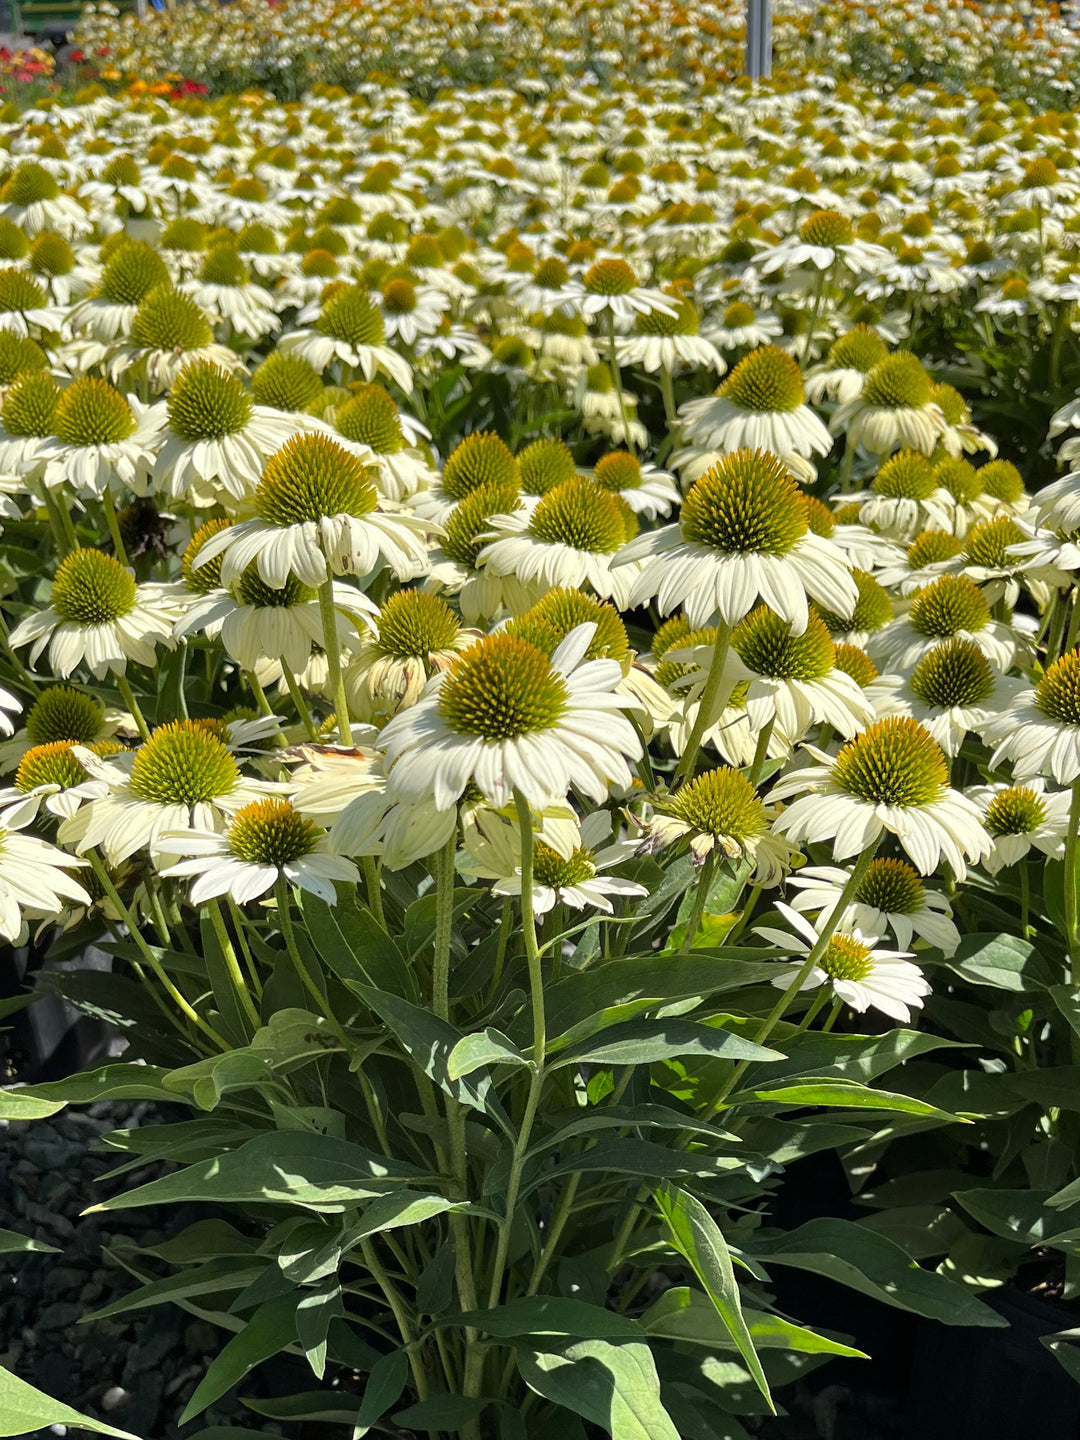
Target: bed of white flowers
point(540, 631)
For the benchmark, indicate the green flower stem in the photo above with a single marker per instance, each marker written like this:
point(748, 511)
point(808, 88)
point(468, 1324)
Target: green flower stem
point(613, 365)
point(814, 1009)
point(333, 657)
point(1026, 929)
point(373, 881)
point(240, 926)
point(444, 920)
point(455, 1113)
point(128, 697)
point(744, 917)
point(232, 965)
point(761, 753)
point(833, 1016)
point(706, 702)
point(179, 1000)
point(539, 1052)
point(667, 391)
point(114, 526)
point(506, 926)
point(401, 1315)
point(161, 923)
point(57, 528)
point(1074, 623)
point(701, 896)
point(30, 681)
point(776, 1014)
point(262, 703)
point(1072, 909)
point(284, 902)
point(299, 701)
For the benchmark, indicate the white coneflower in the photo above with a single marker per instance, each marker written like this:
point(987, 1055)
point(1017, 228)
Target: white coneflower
point(743, 534)
point(225, 290)
point(508, 719)
point(97, 617)
point(316, 507)
point(608, 411)
point(370, 419)
point(409, 310)
point(824, 239)
point(568, 540)
point(1040, 734)
point(60, 712)
point(741, 325)
point(841, 375)
point(664, 342)
point(401, 646)
point(792, 679)
point(266, 841)
point(24, 305)
point(349, 332)
point(905, 499)
point(32, 199)
point(33, 881)
point(455, 567)
point(610, 289)
point(182, 778)
point(493, 853)
point(26, 421)
point(950, 607)
point(215, 437)
point(132, 271)
point(1022, 817)
point(481, 458)
point(954, 691)
point(50, 777)
point(960, 435)
point(100, 441)
point(719, 811)
point(647, 490)
point(759, 405)
point(168, 332)
point(890, 896)
point(858, 971)
point(892, 777)
point(894, 409)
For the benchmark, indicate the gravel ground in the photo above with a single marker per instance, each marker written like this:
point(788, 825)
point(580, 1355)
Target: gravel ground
point(135, 1371)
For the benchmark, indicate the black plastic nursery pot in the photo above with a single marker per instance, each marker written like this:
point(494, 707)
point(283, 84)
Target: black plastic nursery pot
point(976, 1384)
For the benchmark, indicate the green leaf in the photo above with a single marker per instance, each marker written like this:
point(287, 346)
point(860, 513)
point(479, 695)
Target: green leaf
point(440, 1412)
point(590, 1001)
point(614, 1386)
point(697, 1237)
point(352, 943)
point(1053, 1087)
point(429, 1042)
point(846, 1057)
point(232, 1021)
point(18, 1105)
point(875, 1266)
point(644, 1042)
point(111, 1082)
point(384, 1387)
point(687, 1315)
point(1022, 1215)
point(394, 1212)
point(846, 1093)
point(998, 961)
point(12, 1243)
point(642, 1158)
point(231, 1273)
point(24, 1409)
point(290, 1038)
point(330, 1407)
point(1064, 1351)
point(1067, 1001)
point(435, 1288)
point(619, 1117)
point(550, 1315)
point(486, 1047)
point(315, 1310)
point(317, 1171)
point(270, 1329)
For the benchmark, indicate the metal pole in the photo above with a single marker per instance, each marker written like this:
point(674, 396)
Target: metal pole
point(759, 39)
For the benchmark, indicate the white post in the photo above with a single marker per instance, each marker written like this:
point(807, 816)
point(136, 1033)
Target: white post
point(759, 39)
